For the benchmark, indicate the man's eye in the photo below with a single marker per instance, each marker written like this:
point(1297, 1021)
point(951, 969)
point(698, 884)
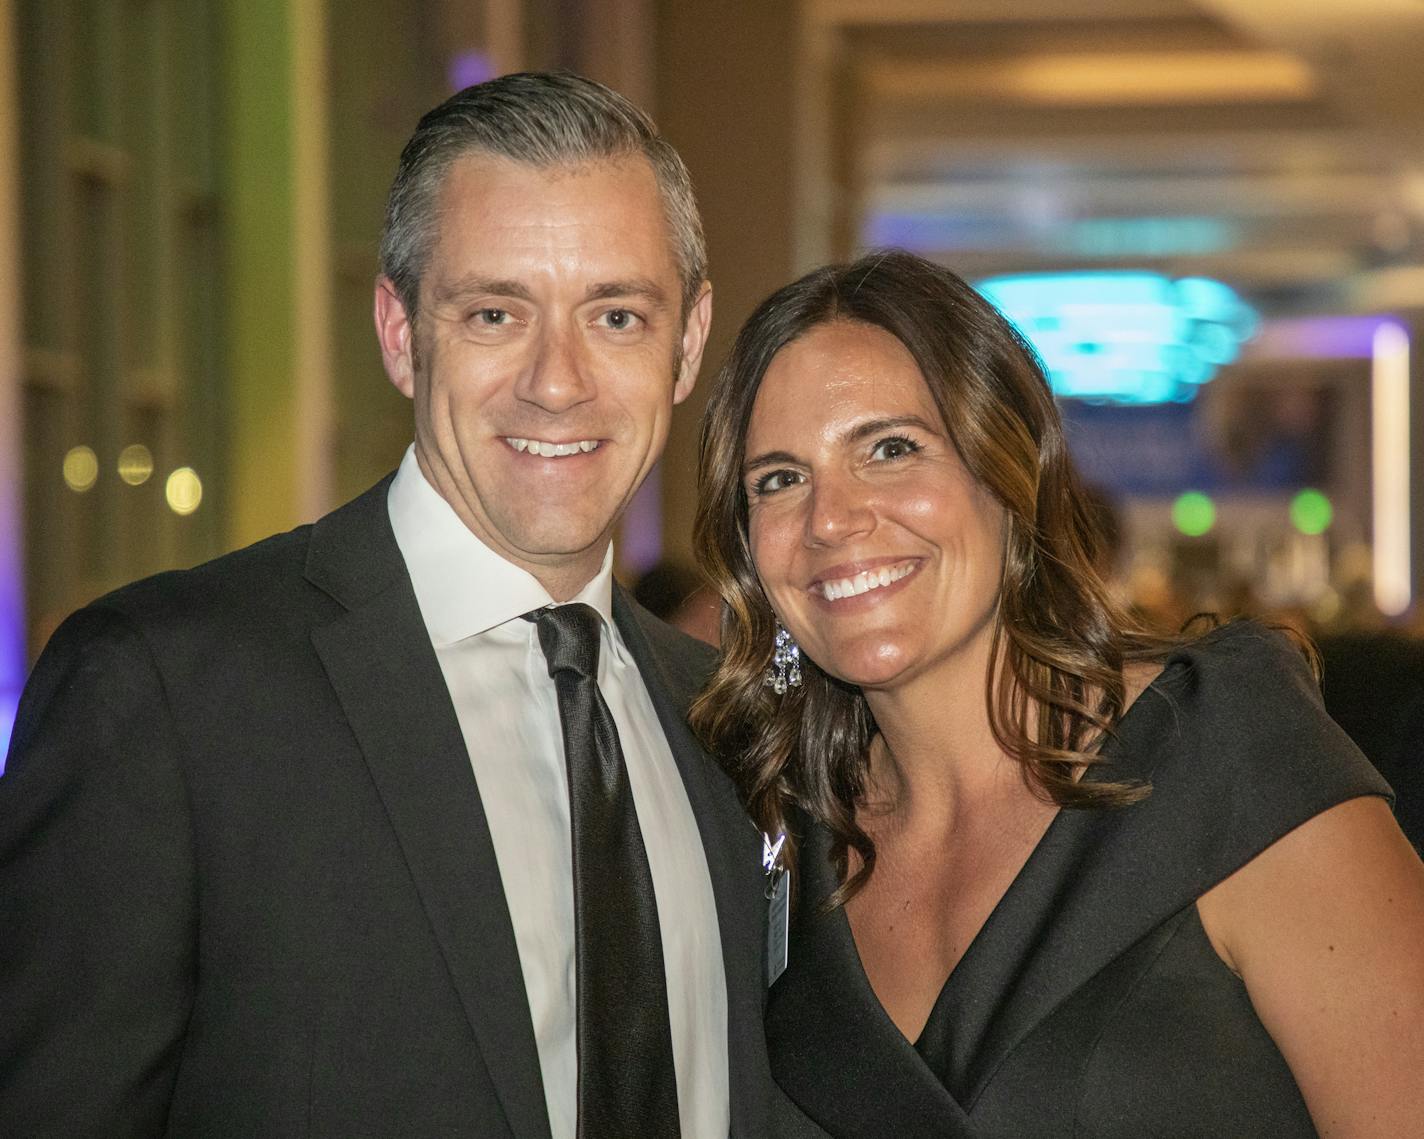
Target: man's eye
point(895, 447)
point(492, 316)
point(619, 319)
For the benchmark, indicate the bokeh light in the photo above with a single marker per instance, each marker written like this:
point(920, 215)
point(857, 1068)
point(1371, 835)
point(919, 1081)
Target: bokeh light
point(1193, 513)
point(184, 491)
point(1311, 512)
point(135, 464)
point(81, 468)
point(1125, 337)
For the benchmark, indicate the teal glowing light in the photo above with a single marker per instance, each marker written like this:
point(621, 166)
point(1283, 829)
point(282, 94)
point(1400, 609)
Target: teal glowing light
point(1125, 337)
point(1311, 512)
point(1149, 237)
point(1193, 514)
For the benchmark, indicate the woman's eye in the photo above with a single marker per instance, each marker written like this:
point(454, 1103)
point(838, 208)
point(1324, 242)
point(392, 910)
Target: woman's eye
point(895, 447)
point(773, 481)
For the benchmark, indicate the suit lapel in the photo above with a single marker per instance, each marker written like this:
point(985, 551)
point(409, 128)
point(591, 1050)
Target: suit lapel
point(380, 662)
point(733, 849)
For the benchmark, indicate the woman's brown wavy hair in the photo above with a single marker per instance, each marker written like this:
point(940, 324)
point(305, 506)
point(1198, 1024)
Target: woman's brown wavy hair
point(1055, 684)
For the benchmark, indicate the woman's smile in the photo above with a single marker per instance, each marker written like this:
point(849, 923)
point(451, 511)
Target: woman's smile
point(842, 583)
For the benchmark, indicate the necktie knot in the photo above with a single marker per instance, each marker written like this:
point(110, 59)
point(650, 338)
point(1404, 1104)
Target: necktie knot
point(569, 636)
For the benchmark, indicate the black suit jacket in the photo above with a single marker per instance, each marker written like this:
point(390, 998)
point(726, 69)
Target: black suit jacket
point(246, 882)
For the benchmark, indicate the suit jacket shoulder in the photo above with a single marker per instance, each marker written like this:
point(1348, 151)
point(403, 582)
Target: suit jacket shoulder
point(686, 662)
point(241, 839)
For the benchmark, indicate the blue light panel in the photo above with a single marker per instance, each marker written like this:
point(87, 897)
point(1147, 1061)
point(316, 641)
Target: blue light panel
point(1125, 337)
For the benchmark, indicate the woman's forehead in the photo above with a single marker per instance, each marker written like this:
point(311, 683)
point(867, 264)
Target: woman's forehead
point(839, 371)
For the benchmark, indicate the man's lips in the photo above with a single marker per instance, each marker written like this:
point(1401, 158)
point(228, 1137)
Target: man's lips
point(548, 449)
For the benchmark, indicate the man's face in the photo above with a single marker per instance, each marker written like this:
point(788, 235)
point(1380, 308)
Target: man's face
point(547, 354)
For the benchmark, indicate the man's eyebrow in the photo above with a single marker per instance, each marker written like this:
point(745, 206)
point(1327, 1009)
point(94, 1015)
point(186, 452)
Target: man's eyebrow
point(642, 288)
point(468, 287)
point(854, 435)
point(471, 286)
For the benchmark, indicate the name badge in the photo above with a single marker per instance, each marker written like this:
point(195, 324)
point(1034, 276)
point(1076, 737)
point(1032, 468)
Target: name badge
point(778, 899)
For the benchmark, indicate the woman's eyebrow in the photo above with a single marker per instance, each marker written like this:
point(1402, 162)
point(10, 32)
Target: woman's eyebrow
point(891, 423)
point(768, 457)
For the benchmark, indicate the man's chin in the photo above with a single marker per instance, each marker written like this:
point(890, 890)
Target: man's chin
point(552, 544)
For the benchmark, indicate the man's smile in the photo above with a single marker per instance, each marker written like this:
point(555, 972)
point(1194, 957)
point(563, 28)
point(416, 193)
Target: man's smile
point(549, 450)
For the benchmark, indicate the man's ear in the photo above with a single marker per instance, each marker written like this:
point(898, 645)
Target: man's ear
point(694, 340)
point(396, 333)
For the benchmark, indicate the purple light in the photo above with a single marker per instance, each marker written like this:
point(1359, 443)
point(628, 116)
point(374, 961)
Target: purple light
point(640, 540)
point(8, 704)
point(12, 620)
point(468, 68)
point(928, 233)
point(1318, 338)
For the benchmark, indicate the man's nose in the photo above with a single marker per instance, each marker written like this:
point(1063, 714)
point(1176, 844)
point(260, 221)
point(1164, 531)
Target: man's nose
point(841, 508)
point(558, 377)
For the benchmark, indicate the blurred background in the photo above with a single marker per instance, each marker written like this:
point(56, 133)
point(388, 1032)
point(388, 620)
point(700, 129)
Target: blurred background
point(1208, 215)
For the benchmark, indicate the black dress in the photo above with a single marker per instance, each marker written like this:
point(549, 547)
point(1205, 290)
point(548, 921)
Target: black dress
point(1092, 1003)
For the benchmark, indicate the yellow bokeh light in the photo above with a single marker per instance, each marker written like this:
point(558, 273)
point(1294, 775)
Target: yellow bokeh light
point(81, 468)
point(184, 491)
point(135, 464)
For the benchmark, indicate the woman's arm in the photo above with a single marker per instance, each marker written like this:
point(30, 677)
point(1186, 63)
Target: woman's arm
point(1326, 929)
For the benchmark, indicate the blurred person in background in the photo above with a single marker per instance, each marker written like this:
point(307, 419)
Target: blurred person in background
point(676, 593)
point(285, 839)
point(1054, 875)
point(1373, 684)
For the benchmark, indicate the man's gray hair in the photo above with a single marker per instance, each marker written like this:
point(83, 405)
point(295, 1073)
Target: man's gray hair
point(543, 119)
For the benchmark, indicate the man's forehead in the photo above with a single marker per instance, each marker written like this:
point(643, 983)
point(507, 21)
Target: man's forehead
point(509, 223)
point(485, 172)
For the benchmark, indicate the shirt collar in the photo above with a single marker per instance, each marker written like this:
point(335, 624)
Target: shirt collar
point(462, 586)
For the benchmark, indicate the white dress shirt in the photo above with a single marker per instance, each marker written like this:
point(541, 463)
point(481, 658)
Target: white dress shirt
point(472, 602)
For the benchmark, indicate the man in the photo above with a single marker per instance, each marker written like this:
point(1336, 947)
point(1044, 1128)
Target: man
point(287, 838)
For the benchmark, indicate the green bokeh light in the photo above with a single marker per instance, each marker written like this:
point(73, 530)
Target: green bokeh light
point(1193, 514)
point(1311, 512)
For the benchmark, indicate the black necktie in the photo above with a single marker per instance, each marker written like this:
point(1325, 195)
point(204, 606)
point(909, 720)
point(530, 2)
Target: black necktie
point(626, 1083)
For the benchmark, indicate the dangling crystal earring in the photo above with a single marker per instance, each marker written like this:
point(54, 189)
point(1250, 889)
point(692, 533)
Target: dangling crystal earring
point(785, 670)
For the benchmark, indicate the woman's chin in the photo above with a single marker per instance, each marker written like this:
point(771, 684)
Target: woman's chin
point(875, 667)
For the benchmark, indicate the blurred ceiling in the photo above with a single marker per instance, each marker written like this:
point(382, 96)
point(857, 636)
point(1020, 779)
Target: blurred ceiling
point(1275, 144)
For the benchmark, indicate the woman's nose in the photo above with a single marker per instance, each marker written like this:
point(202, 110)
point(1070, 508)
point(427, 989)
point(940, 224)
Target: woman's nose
point(840, 509)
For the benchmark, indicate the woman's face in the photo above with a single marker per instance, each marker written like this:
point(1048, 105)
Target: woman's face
point(878, 550)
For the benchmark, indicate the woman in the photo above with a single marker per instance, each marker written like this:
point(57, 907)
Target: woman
point(1053, 875)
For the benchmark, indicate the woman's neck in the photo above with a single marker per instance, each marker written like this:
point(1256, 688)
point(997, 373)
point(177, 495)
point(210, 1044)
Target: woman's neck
point(936, 752)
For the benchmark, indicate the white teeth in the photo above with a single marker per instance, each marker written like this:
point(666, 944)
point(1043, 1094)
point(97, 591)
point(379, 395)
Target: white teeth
point(865, 581)
point(551, 450)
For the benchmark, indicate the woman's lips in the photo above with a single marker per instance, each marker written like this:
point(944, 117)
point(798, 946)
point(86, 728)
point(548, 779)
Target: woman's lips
point(844, 586)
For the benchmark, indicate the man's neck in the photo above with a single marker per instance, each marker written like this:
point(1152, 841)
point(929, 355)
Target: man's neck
point(565, 582)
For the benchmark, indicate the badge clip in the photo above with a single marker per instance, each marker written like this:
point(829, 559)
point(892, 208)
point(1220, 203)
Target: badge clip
point(778, 897)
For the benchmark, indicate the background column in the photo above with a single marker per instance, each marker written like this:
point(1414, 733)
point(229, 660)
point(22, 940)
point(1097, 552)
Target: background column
point(279, 347)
